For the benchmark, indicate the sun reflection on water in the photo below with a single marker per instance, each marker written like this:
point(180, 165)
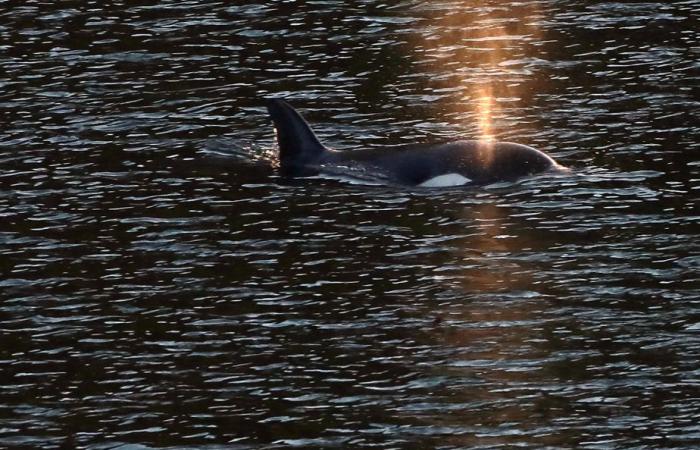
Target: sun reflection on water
point(485, 105)
point(487, 44)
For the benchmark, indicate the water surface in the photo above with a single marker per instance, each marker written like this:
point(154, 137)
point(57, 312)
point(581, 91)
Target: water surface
point(162, 287)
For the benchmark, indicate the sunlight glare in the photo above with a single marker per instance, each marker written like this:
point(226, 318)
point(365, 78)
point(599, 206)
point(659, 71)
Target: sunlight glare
point(485, 114)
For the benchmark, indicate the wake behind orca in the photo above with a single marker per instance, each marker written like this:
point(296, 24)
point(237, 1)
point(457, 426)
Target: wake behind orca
point(429, 165)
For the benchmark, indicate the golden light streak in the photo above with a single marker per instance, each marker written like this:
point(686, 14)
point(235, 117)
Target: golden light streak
point(479, 53)
point(478, 50)
point(485, 106)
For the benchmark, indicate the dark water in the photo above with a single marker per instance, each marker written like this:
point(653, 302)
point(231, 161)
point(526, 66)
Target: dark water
point(162, 287)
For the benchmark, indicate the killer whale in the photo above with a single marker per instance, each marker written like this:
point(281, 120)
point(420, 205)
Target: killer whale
point(464, 162)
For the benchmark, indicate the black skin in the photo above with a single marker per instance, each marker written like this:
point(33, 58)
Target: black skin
point(482, 162)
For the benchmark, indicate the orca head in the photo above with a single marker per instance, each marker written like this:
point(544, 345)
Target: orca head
point(511, 161)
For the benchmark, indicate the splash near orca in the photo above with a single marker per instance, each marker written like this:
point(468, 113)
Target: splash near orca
point(430, 165)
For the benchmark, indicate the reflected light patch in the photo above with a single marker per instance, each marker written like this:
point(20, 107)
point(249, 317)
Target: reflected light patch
point(484, 47)
point(485, 108)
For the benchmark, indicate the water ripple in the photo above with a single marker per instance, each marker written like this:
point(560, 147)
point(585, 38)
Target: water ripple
point(163, 287)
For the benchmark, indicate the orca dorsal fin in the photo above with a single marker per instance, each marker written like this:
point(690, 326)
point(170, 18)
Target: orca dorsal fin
point(299, 146)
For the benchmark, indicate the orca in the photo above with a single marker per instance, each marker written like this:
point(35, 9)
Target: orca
point(458, 163)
